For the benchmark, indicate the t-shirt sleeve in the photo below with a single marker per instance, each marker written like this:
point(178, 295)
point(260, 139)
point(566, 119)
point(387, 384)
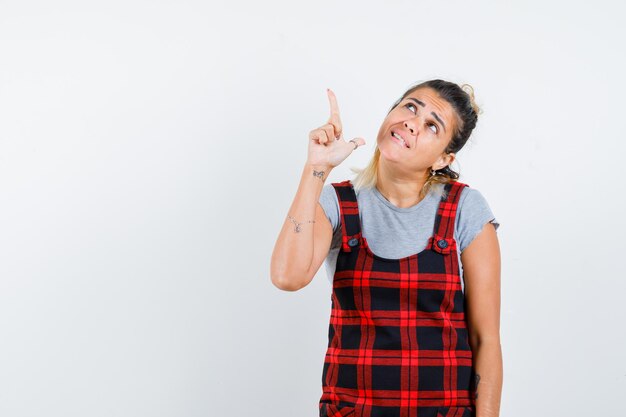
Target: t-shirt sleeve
point(473, 213)
point(329, 202)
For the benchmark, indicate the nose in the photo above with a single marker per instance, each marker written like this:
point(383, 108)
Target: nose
point(410, 127)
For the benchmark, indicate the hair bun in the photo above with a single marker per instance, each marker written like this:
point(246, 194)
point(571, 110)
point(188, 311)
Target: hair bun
point(470, 92)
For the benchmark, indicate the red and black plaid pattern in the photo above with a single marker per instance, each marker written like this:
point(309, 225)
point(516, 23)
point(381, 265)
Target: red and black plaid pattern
point(397, 340)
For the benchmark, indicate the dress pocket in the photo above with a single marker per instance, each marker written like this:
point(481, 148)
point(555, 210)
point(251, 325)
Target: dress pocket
point(456, 412)
point(334, 410)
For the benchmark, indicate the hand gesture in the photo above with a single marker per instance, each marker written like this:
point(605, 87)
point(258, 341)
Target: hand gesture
point(326, 144)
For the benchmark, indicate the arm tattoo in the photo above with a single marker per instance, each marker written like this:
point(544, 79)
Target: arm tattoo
point(476, 381)
point(319, 174)
point(297, 228)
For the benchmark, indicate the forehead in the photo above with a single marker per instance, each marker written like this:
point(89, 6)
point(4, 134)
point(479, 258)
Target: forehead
point(432, 102)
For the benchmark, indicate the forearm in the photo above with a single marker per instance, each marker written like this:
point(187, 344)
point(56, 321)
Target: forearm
point(488, 383)
point(293, 252)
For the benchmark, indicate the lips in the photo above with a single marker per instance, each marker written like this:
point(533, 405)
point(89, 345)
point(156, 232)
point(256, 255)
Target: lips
point(406, 144)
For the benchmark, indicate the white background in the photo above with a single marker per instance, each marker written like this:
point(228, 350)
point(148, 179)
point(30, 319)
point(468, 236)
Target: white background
point(149, 152)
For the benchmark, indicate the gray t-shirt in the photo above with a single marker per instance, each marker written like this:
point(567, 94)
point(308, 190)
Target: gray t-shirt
point(394, 232)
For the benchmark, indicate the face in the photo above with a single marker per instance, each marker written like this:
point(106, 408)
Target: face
point(426, 123)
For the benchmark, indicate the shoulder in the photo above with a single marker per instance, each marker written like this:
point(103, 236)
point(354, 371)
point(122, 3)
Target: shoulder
point(329, 200)
point(471, 199)
point(331, 191)
point(473, 212)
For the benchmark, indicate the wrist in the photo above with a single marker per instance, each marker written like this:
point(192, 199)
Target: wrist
point(319, 167)
point(315, 171)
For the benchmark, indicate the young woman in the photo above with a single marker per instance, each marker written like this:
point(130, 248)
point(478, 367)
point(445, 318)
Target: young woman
point(414, 261)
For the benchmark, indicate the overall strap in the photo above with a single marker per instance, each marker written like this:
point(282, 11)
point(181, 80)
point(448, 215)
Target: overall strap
point(349, 212)
point(443, 234)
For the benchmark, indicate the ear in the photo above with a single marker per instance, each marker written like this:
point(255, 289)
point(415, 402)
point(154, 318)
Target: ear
point(444, 160)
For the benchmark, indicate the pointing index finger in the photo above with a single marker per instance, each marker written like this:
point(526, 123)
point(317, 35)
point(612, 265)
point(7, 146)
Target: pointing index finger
point(334, 118)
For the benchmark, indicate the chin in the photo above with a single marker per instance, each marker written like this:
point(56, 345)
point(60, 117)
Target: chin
point(390, 153)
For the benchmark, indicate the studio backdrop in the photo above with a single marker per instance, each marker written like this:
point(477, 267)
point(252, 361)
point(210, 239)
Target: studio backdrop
point(149, 153)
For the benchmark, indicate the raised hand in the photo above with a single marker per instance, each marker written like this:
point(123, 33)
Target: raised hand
point(326, 144)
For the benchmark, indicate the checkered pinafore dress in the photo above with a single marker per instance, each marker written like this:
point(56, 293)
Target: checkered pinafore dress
point(397, 339)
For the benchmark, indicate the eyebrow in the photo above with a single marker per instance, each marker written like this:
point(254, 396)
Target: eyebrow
point(421, 103)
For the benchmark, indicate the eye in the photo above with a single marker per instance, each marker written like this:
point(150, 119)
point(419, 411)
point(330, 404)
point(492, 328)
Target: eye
point(436, 128)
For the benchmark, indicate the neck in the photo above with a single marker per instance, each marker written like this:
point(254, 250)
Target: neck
point(400, 189)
